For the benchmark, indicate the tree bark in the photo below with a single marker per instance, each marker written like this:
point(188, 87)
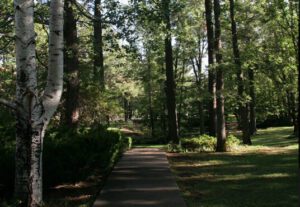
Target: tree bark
point(98, 46)
point(298, 65)
point(179, 114)
point(170, 82)
point(71, 67)
point(252, 102)
point(33, 112)
point(151, 115)
point(242, 105)
point(25, 92)
point(221, 131)
point(211, 70)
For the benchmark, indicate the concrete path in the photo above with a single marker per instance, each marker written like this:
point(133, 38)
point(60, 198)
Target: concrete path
point(141, 178)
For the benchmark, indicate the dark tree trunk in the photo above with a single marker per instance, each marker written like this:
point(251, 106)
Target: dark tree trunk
point(292, 109)
point(252, 102)
point(242, 105)
point(126, 108)
point(71, 66)
point(22, 158)
point(151, 114)
point(221, 131)
point(179, 114)
point(170, 82)
point(298, 63)
point(211, 72)
point(98, 46)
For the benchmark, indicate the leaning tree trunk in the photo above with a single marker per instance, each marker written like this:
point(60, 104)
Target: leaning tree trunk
point(221, 131)
point(33, 112)
point(243, 108)
point(170, 83)
point(71, 66)
point(98, 46)
point(211, 71)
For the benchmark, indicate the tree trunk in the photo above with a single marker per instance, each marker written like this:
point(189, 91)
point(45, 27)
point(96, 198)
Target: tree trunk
point(221, 131)
point(211, 71)
point(33, 112)
point(25, 92)
point(242, 105)
point(151, 115)
point(71, 66)
point(98, 46)
point(179, 114)
point(126, 106)
point(298, 65)
point(292, 109)
point(252, 102)
point(170, 82)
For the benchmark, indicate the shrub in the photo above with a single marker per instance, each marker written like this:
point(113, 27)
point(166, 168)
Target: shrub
point(72, 156)
point(232, 142)
point(203, 143)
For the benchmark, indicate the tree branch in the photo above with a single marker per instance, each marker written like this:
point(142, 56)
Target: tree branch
point(8, 104)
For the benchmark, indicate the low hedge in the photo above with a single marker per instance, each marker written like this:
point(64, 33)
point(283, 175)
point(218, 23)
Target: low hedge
point(68, 156)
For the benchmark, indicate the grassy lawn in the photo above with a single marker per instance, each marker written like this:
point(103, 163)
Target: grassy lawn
point(265, 174)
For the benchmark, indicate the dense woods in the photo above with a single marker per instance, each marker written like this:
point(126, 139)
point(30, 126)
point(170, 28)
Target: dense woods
point(171, 69)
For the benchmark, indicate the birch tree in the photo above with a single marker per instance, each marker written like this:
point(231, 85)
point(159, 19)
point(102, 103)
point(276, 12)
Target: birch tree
point(32, 110)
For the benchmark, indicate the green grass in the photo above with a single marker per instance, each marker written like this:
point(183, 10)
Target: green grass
point(265, 174)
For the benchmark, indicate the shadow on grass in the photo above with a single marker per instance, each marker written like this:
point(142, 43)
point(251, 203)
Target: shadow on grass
point(264, 177)
point(238, 180)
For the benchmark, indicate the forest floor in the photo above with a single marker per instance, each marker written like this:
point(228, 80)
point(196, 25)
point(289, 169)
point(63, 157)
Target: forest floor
point(265, 174)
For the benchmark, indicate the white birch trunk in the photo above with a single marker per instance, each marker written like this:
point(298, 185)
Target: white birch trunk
point(49, 100)
point(34, 113)
point(25, 92)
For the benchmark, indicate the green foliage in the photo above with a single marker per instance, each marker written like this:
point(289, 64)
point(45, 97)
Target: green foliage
point(174, 148)
point(83, 152)
point(203, 143)
point(232, 142)
point(68, 156)
point(206, 143)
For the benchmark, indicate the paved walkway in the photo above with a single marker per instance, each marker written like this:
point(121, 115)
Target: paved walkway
point(141, 178)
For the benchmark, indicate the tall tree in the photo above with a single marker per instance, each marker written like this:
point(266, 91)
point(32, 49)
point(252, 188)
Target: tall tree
point(71, 66)
point(170, 82)
point(221, 131)
point(33, 112)
point(150, 92)
point(98, 45)
point(242, 104)
point(298, 67)
point(211, 70)
point(252, 104)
